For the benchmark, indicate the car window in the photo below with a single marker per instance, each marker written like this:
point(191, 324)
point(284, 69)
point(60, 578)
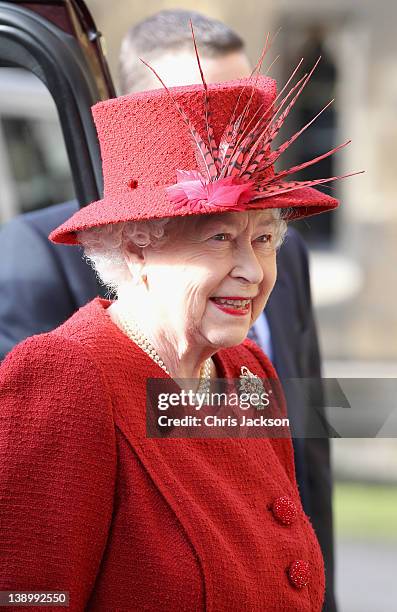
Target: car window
point(34, 166)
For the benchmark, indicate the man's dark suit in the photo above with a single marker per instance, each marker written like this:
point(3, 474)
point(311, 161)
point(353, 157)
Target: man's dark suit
point(42, 284)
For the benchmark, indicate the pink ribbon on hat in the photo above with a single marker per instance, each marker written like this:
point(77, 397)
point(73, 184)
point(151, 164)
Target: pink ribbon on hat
point(196, 193)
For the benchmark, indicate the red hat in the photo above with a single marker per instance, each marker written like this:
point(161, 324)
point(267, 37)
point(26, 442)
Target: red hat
point(193, 150)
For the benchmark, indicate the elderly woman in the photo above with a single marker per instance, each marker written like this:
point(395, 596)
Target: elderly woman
point(186, 234)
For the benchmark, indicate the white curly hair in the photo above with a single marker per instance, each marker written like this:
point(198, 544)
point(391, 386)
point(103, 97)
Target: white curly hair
point(104, 246)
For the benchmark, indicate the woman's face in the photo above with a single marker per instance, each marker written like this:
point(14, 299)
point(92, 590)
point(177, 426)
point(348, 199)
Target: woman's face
point(206, 260)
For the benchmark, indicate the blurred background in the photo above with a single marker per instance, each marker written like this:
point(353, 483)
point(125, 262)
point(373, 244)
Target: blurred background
point(353, 251)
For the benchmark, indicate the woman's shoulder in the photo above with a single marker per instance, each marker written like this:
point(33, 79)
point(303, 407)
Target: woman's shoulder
point(63, 346)
point(76, 340)
point(41, 353)
point(53, 376)
point(85, 324)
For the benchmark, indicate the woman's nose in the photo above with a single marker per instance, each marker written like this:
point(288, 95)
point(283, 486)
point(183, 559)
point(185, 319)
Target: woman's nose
point(247, 265)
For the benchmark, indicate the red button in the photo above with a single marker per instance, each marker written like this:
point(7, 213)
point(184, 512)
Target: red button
point(284, 510)
point(299, 573)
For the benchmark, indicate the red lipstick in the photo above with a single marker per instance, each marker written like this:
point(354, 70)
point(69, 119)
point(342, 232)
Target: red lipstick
point(228, 308)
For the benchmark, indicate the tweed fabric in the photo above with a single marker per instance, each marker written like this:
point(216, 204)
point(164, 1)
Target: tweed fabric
point(127, 523)
point(144, 142)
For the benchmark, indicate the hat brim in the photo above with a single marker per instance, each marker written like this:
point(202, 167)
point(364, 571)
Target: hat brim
point(153, 203)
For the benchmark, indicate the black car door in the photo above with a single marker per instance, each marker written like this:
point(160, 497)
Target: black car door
point(58, 42)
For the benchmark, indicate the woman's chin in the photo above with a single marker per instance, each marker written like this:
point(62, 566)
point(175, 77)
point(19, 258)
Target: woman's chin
point(226, 339)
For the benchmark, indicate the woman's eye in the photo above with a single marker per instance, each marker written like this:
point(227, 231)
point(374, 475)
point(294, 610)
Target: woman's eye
point(267, 238)
point(222, 237)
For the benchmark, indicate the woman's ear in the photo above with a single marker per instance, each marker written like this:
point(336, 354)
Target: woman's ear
point(134, 258)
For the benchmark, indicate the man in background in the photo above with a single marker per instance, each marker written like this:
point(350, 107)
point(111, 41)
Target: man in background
point(42, 284)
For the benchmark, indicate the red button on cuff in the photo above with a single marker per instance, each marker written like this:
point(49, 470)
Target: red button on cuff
point(284, 510)
point(299, 573)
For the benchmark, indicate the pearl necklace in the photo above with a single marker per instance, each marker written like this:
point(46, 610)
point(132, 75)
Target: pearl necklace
point(132, 330)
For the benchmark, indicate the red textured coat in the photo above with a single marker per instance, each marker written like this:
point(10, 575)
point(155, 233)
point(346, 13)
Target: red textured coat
point(127, 523)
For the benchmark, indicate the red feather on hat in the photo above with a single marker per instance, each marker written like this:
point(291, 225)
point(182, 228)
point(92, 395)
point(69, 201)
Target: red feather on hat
point(237, 171)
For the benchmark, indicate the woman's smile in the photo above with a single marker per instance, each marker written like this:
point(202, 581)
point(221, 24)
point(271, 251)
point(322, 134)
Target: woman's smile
point(236, 306)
